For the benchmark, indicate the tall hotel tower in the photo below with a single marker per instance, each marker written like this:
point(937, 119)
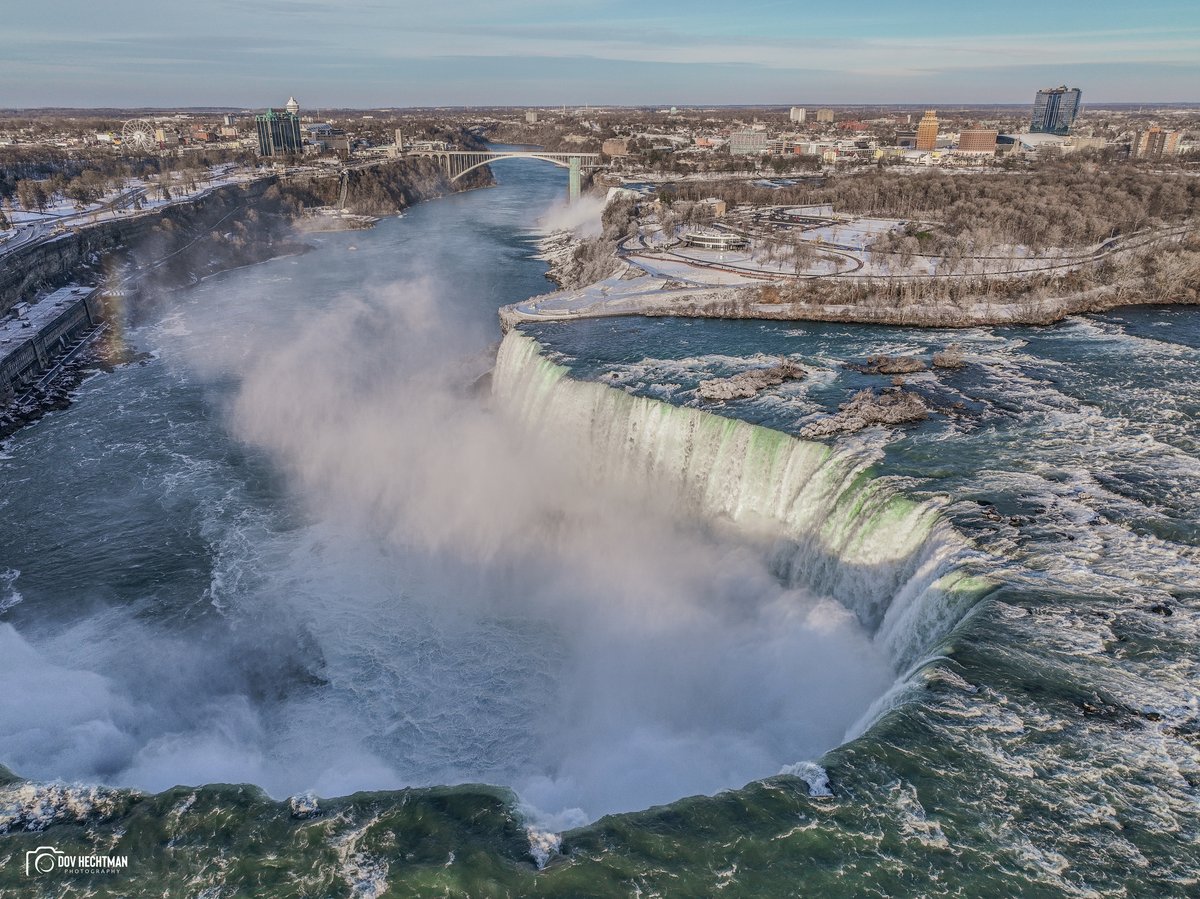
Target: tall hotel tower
point(1054, 110)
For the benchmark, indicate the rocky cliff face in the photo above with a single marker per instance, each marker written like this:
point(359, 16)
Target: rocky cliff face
point(229, 227)
point(97, 252)
point(383, 189)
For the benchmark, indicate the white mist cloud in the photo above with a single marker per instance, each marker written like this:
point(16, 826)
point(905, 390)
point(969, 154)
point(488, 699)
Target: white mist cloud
point(583, 217)
point(465, 604)
point(665, 660)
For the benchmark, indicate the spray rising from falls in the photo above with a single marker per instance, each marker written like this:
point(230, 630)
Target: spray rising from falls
point(601, 601)
point(836, 530)
point(582, 217)
point(604, 640)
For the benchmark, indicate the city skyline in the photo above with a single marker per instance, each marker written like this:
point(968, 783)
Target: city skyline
point(336, 53)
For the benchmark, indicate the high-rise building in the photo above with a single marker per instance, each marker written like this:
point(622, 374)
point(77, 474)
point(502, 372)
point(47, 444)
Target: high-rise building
point(292, 106)
point(798, 114)
point(977, 140)
point(531, 117)
point(1054, 109)
point(927, 131)
point(747, 142)
point(278, 133)
point(1154, 143)
point(825, 115)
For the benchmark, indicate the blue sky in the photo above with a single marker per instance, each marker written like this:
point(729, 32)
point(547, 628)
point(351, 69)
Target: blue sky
point(367, 53)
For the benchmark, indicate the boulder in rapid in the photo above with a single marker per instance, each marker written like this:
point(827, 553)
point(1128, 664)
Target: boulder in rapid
point(748, 383)
point(866, 408)
point(891, 365)
point(950, 357)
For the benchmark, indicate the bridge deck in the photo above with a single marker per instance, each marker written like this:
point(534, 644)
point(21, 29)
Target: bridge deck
point(458, 162)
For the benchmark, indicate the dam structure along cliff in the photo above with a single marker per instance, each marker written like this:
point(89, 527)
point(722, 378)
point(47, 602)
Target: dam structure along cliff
point(33, 339)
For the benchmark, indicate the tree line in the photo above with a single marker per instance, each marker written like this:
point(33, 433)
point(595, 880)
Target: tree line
point(1061, 203)
point(1166, 273)
point(34, 177)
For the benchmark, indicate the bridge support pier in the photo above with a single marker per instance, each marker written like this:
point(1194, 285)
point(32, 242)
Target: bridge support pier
point(574, 185)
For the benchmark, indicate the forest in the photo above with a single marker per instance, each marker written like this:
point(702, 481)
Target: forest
point(1061, 203)
point(34, 176)
point(1168, 273)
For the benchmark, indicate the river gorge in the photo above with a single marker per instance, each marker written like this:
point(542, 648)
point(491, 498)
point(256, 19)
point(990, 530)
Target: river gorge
point(526, 613)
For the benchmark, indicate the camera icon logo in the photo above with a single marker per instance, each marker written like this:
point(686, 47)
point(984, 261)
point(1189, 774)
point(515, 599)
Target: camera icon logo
point(42, 860)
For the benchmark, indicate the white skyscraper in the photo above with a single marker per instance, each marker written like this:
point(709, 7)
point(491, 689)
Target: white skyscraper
point(292, 106)
point(799, 114)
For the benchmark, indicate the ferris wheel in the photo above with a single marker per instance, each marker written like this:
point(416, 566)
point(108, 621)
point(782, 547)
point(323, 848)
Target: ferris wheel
point(138, 135)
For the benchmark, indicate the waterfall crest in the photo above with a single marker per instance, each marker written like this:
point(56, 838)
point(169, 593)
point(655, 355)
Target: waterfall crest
point(831, 526)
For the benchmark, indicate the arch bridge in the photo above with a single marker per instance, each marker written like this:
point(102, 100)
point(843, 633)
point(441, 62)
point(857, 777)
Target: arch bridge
point(457, 163)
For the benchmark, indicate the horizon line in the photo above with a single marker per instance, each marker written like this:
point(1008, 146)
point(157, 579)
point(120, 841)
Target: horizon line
point(598, 106)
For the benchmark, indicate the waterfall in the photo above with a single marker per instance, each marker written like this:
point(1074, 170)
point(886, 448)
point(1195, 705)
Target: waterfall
point(831, 526)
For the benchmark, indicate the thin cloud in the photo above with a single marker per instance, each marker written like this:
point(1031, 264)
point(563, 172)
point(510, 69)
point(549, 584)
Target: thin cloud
point(552, 51)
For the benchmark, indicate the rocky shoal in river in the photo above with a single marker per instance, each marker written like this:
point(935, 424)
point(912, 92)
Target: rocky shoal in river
point(748, 383)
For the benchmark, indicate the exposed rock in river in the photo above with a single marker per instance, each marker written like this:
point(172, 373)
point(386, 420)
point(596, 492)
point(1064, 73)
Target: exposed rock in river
point(950, 357)
point(891, 407)
point(748, 383)
point(891, 365)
